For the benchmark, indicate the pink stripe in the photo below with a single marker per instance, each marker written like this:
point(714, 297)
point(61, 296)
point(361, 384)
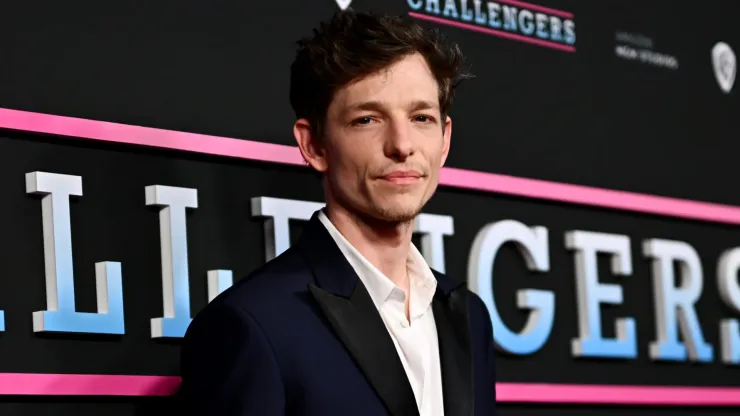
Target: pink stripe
point(145, 136)
point(457, 178)
point(126, 385)
point(537, 8)
point(86, 385)
point(494, 32)
point(585, 195)
point(625, 395)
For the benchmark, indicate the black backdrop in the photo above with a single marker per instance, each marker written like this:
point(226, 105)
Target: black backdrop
point(221, 68)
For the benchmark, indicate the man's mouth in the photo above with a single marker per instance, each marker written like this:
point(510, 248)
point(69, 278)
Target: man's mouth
point(402, 177)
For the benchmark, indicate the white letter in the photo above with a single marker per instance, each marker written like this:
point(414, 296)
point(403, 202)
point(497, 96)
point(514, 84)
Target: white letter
point(279, 212)
point(174, 244)
point(532, 244)
point(729, 263)
point(591, 294)
point(433, 228)
point(60, 315)
point(674, 304)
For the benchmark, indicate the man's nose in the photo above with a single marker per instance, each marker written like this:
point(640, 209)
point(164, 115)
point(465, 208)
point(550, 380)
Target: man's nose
point(399, 142)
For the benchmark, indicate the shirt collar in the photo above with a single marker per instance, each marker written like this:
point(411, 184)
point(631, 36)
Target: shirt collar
point(422, 281)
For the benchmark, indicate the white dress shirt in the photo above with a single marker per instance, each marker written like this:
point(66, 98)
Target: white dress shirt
point(415, 339)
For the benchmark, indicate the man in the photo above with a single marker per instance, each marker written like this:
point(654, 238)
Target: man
point(351, 321)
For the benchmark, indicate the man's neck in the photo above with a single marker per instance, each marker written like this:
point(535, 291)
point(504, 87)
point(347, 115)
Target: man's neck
point(385, 246)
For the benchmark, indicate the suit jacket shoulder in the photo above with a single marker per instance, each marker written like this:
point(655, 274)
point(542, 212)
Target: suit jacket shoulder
point(281, 278)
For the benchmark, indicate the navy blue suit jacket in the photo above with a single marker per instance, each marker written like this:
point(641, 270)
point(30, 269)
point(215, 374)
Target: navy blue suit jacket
point(301, 336)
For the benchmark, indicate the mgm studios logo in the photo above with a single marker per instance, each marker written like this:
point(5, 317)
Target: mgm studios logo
point(640, 48)
point(514, 20)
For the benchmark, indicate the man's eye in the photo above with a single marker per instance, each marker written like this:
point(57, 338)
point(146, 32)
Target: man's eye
point(363, 120)
point(424, 119)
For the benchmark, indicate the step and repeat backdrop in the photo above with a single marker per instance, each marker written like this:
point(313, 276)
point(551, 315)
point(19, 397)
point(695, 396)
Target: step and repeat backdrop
point(591, 198)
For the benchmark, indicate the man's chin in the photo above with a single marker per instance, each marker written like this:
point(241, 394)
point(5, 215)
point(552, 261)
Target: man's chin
point(396, 214)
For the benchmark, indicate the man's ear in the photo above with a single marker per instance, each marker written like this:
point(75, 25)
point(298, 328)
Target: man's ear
point(310, 146)
point(446, 136)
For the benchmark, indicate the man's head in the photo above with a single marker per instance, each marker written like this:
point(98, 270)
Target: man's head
point(372, 96)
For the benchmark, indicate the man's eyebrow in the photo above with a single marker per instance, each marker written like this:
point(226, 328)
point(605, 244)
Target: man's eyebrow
point(378, 106)
point(366, 105)
point(423, 105)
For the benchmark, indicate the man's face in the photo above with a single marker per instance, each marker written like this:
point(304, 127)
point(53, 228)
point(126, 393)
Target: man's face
point(385, 142)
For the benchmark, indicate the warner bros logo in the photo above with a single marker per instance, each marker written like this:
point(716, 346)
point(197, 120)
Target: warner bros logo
point(725, 66)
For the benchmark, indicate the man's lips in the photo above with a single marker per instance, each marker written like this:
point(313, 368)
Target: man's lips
point(402, 176)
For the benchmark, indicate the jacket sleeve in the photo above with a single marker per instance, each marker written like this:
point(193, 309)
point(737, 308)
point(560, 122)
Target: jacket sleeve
point(228, 367)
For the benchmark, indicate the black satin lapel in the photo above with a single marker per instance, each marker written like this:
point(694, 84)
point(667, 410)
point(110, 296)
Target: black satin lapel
point(358, 324)
point(451, 317)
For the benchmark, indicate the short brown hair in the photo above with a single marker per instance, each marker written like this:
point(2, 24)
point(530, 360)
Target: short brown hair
point(355, 44)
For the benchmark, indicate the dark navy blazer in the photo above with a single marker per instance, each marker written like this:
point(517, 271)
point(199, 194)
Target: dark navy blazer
point(301, 336)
